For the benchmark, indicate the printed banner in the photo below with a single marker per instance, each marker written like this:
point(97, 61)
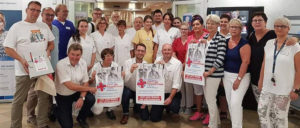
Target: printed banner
point(150, 84)
point(7, 76)
point(194, 65)
point(109, 83)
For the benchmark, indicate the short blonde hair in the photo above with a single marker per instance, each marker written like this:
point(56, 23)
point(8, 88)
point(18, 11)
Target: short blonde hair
point(184, 24)
point(284, 21)
point(236, 21)
point(58, 7)
point(214, 18)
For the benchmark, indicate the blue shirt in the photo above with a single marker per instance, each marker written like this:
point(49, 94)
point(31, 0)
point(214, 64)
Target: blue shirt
point(54, 53)
point(233, 59)
point(65, 32)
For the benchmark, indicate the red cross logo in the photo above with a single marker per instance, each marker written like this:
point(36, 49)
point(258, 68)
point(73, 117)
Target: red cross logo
point(101, 86)
point(141, 83)
point(189, 62)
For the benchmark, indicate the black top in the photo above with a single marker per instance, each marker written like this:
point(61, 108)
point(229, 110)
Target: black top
point(257, 54)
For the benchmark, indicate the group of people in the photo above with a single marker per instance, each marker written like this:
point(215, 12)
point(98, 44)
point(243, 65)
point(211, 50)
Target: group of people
point(268, 60)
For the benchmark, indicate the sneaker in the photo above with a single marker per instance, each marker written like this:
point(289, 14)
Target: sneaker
point(188, 111)
point(197, 116)
point(206, 120)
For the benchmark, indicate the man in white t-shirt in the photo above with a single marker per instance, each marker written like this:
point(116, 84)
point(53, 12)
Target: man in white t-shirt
point(112, 28)
point(97, 14)
point(21, 36)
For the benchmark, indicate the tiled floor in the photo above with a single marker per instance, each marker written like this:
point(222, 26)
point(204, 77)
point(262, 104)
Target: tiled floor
point(101, 121)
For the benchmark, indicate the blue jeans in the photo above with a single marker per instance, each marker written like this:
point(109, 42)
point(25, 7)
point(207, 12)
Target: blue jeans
point(127, 94)
point(156, 111)
point(64, 110)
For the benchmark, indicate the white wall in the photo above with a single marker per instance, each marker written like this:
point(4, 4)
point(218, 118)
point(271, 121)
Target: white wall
point(272, 8)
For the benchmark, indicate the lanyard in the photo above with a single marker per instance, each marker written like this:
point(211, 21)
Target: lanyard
point(276, 54)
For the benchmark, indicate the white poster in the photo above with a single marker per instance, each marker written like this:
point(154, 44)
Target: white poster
point(194, 64)
point(109, 83)
point(7, 76)
point(150, 88)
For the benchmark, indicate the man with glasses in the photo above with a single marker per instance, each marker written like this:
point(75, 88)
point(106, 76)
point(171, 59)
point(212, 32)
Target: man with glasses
point(112, 28)
point(66, 29)
point(17, 45)
point(130, 81)
point(97, 14)
point(47, 17)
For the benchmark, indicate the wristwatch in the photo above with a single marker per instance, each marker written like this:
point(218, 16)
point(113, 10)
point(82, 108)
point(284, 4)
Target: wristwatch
point(83, 98)
point(297, 91)
point(239, 78)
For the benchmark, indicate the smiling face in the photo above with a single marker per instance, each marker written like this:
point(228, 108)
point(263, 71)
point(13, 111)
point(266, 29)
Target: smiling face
point(281, 28)
point(176, 23)
point(33, 12)
point(197, 26)
point(48, 16)
point(167, 51)
point(224, 24)
point(63, 13)
point(140, 52)
point(167, 21)
point(212, 26)
point(158, 17)
point(74, 56)
point(148, 23)
point(82, 27)
point(121, 28)
point(138, 23)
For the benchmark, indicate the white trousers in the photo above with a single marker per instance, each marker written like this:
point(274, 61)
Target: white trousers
point(235, 97)
point(210, 93)
point(273, 110)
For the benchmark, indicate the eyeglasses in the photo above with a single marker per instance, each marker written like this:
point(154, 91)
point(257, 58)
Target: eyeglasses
point(49, 15)
point(280, 26)
point(235, 27)
point(34, 10)
point(184, 29)
point(257, 21)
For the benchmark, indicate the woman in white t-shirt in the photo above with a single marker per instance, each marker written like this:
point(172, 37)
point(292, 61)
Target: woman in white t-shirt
point(123, 45)
point(102, 38)
point(87, 43)
point(166, 35)
point(279, 80)
point(107, 55)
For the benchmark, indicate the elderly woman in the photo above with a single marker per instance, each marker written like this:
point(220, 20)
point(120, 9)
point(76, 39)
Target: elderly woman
point(123, 45)
point(165, 35)
point(180, 46)
point(72, 86)
point(3, 33)
point(102, 38)
point(107, 55)
point(236, 77)
point(87, 43)
point(198, 34)
point(177, 22)
point(214, 70)
point(279, 78)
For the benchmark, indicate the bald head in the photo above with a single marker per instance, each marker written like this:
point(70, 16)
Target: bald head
point(167, 51)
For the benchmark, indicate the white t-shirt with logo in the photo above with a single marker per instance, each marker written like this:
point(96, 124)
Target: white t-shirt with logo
point(23, 34)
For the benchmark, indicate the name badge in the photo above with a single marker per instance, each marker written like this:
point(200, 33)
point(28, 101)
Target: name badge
point(68, 28)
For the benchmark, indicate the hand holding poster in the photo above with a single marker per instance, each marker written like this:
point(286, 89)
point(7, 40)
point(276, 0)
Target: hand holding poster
point(110, 86)
point(194, 64)
point(150, 84)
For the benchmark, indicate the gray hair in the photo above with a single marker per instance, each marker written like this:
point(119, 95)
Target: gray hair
point(284, 21)
point(214, 18)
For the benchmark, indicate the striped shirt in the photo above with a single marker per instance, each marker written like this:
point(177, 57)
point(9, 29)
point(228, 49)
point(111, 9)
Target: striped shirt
point(215, 55)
